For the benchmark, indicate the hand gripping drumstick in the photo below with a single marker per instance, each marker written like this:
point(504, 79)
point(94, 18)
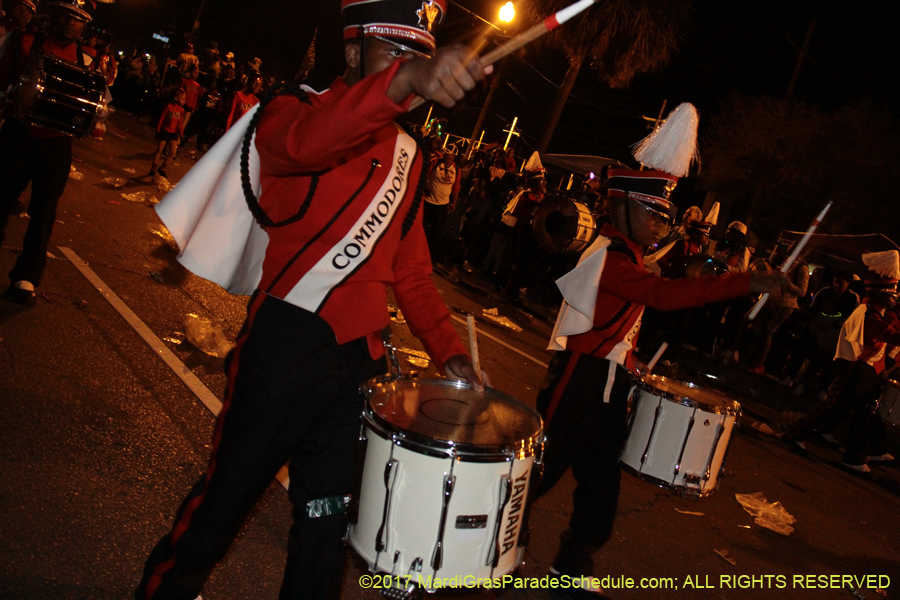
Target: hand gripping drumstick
point(790, 261)
point(526, 37)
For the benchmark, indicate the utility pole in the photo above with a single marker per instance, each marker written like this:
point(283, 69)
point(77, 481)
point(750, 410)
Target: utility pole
point(196, 22)
point(487, 102)
point(800, 58)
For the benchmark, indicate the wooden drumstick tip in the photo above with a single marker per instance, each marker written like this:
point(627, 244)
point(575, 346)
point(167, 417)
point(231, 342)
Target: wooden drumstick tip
point(473, 345)
point(657, 356)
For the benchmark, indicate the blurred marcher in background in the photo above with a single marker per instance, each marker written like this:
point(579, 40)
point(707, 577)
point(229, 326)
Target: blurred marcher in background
point(187, 60)
point(775, 314)
point(441, 195)
point(17, 15)
point(35, 155)
point(830, 308)
point(243, 101)
point(861, 356)
point(168, 134)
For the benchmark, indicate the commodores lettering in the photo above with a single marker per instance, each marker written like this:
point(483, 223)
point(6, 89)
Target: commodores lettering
point(343, 259)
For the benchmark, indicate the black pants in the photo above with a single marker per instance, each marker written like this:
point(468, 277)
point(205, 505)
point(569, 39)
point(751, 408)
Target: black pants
point(851, 395)
point(44, 163)
point(434, 217)
point(585, 433)
point(293, 393)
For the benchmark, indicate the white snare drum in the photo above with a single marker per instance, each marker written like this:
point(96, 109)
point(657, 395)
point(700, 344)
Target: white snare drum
point(678, 435)
point(888, 407)
point(445, 481)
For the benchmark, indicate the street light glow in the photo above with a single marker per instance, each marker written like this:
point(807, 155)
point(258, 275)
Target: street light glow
point(507, 12)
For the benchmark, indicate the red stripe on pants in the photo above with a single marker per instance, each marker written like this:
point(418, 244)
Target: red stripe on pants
point(561, 386)
point(185, 520)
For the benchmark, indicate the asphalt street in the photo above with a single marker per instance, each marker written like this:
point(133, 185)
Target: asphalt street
point(100, 438)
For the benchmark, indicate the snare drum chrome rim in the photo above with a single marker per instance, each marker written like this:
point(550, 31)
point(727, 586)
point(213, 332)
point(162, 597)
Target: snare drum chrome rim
point(424, 444)
point(666, 485)
point(648, 386)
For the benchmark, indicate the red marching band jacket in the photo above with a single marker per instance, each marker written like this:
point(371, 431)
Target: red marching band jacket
point(355, 173)
point(626, 287)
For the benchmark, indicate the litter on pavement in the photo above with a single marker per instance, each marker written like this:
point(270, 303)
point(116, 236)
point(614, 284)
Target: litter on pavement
point(772, 516)
point(162, 232)
point(204, 335)
point(416, 357)
point(727, 556)
point(493, 315)
point(116, 182)
point(140, 197)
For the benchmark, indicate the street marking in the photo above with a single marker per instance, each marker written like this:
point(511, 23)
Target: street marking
point(193, 383)
point(501, 342)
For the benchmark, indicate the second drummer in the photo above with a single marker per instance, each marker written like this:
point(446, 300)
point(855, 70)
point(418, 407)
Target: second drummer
point(36, 155)
point(584, 402)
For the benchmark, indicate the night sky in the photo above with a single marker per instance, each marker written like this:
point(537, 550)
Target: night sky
point(748, 47)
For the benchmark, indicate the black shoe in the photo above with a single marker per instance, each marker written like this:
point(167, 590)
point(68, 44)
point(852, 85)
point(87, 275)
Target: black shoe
point(20, 296)
point(162, 173)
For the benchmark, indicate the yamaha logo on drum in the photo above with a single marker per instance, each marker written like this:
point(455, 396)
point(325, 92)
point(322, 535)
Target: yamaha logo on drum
point(511, 535)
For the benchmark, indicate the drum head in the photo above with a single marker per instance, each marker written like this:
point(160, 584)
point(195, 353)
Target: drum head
point(445, 414)
point(691, 394)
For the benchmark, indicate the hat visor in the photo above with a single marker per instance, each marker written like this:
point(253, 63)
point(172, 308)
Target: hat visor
point(73, 11)
point(408, 39)
point(406, 46)
point(663, 207)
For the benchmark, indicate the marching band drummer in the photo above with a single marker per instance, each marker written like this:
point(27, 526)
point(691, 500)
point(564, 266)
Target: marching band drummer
point(34, 154)
point(584, 403)
point(341, 204)
point(17, 16)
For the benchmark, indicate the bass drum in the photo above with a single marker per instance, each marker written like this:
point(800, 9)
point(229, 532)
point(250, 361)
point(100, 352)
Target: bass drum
point(563, 225)
point(58, 95)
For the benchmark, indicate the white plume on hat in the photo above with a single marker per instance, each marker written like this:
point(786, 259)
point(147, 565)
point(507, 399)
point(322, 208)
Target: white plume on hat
point(713, 217)
point(886, 264)
point(672, 146)
point(534, 162)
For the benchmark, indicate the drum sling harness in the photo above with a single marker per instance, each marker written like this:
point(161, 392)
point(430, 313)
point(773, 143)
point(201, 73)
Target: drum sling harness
point(253, 202)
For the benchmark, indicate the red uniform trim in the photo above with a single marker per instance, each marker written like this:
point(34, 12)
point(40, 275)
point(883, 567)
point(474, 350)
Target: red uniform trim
point(561, 386)
point(184, 520)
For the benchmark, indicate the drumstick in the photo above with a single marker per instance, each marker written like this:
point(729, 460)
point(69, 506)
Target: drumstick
point(473, 346)
point(790, 261)
point(656, 357)
point(533, 33)
point(526, 37)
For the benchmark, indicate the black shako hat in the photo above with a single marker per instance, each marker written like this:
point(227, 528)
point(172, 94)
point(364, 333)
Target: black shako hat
point(651, 188)
point(80, 9)
point(408, 24)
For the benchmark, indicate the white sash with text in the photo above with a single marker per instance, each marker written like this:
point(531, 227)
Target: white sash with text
point(352, 251)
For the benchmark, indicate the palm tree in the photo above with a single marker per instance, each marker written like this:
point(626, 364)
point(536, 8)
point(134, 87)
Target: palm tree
point(618, 38)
